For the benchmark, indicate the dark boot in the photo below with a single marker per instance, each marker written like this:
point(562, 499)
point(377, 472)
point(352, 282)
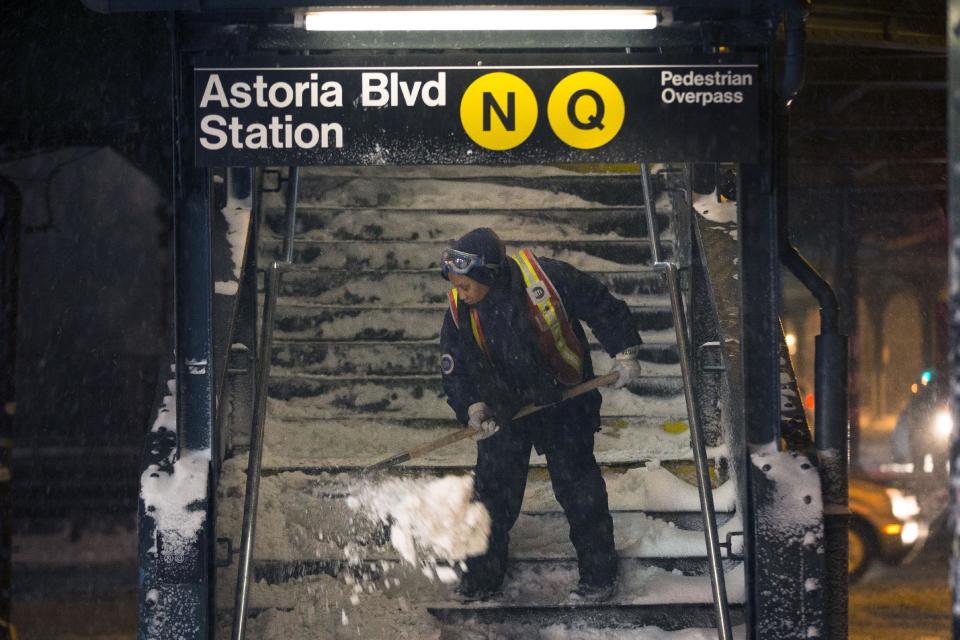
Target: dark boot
point(484, 575)
point(593, 593)
point(473, 591)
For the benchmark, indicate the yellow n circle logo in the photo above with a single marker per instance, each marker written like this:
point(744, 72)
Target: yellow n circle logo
point(498, 111)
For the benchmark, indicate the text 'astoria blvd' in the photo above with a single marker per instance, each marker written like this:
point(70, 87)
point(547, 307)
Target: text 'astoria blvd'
point(282, 132)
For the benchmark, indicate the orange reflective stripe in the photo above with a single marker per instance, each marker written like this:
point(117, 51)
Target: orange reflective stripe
point(478, 336)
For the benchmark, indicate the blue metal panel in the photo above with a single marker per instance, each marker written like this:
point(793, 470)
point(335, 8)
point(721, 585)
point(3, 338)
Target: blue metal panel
point(175, 594)
point(194, 311)
point(759, 344)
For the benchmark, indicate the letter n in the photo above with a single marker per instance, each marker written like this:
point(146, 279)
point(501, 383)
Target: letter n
point(508, 119)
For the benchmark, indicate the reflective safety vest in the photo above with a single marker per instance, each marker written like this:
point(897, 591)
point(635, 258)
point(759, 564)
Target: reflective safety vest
point(556, 339)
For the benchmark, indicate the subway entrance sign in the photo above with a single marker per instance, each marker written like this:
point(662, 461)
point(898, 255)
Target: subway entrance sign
point(496, 109)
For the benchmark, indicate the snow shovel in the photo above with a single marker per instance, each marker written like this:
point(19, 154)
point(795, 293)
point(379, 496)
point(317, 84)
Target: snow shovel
point(460, 434)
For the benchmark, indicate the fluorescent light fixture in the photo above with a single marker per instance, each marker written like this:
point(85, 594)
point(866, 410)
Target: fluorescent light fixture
point(480, 19)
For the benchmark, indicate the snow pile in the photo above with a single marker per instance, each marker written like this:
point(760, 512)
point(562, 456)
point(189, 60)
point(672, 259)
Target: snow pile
point(653, 488)
point(723, 213)
point(709, 206)
point(638, 584)
point(175, 495)
point(647, 488)
point(433, 521)
point(237, 214)
point(177, 499)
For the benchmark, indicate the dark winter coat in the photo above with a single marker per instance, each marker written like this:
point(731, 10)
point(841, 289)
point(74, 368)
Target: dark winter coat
point(517, 376)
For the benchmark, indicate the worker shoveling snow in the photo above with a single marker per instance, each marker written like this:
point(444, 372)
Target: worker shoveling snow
point(434, 523)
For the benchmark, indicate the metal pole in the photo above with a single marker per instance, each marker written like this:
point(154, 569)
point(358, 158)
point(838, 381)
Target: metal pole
point(953, 140)
point(271, 285)
point(648, 212)
point(293, 187)
point(10, 215)
point(697, 442)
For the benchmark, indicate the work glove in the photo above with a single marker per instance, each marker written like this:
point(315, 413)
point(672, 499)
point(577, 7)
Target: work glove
point(627, 366)
point(481, 419)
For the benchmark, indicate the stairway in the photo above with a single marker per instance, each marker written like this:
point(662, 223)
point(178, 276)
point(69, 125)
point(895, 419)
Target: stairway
point(355, 379)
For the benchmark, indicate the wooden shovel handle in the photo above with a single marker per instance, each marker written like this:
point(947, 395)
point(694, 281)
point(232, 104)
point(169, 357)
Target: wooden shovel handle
point(572, 392)
point(467, 432)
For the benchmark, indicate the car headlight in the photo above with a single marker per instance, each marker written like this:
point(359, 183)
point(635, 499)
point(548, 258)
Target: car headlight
point(943, 424)
point(910, 533)
point(903, 506)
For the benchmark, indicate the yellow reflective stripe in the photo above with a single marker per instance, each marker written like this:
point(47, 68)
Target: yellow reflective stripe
point(454, 311)
point(548, 312)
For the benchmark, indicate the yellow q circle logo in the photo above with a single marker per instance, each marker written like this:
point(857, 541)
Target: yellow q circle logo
point(498, 111)
point(586, 110)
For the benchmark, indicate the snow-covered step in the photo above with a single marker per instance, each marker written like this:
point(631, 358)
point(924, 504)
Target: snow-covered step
point(392, 394)
point(278, 571)
point(536, 597)
point(471, 171)
point(585, 253)
point(637, 535)
point(384, 322)
point(420, 357)
point(425, 286)
point(678, 621)
point(423, 396)
point(401, 603)
point(546, 192)
point(518, 226)
point(352, 443)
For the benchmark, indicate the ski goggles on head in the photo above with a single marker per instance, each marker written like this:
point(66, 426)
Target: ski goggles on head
point(458, 262)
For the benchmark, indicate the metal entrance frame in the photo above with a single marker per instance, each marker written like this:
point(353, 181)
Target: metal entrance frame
point(696, 26)
point(953, 203)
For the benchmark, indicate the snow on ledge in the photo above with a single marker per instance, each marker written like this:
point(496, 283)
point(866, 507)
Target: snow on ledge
point(237, 214)
point(171, 493)
point(797, 506)
point(709, 206)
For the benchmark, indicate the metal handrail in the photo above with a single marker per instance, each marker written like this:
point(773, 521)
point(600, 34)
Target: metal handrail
point(697, 440)
point(293, 186)
point(271, 286)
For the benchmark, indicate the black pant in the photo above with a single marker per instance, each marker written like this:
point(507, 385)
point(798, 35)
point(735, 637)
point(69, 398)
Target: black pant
point(565, 435)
